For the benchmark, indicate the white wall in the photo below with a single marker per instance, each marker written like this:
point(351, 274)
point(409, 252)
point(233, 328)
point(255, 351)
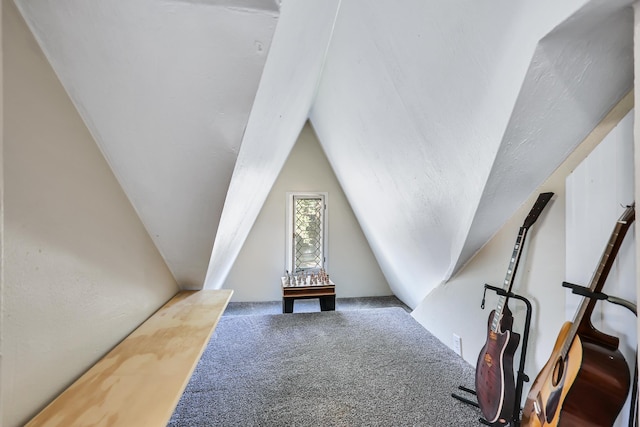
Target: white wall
point(80, 271)
point(454, 307)
point(352, 266)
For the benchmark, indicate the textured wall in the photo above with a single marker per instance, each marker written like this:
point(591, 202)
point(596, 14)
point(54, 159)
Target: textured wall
point(80, 270)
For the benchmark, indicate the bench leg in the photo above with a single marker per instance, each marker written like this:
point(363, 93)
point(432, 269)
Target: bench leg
point(287, 305)
point(328, 303)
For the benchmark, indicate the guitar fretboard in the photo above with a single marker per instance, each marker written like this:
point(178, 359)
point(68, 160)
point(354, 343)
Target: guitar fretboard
point(508, 280)
point(600, 275)
point(507, 284)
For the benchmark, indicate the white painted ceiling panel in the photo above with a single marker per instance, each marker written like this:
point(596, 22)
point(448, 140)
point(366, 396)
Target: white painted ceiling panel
point(579, 71)
point(413, 107)
point(166, 88)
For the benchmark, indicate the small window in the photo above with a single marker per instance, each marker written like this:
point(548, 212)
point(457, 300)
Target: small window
point(306, 228)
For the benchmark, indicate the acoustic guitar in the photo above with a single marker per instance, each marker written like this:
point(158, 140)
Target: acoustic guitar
point(586, 380)
point(495, 385)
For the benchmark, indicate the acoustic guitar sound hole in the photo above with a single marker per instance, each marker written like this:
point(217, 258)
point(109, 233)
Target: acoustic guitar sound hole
point(558, 372)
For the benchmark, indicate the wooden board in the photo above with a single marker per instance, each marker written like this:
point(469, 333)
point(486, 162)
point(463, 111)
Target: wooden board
point(141, 380)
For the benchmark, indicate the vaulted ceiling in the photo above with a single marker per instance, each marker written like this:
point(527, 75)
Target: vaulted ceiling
point(439, 118)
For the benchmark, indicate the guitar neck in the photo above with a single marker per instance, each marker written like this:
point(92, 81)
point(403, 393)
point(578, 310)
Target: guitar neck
point(507, 284)
point(600, 275)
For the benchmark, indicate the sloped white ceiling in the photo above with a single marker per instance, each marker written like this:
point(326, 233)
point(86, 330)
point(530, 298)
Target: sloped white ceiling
point(166, 88)
point(281, 107)
point(578, 72)
point(439, 118)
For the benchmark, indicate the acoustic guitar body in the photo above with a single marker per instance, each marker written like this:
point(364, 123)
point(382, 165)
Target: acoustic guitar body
point(600, 389)
point(495, 384)
point(586, 380)
point(586, 389)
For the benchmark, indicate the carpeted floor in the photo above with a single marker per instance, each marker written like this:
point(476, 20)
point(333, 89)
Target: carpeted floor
point(312, 305)
point(371, 367)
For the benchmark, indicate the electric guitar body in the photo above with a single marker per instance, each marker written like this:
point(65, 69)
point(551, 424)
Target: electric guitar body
point(494, 374)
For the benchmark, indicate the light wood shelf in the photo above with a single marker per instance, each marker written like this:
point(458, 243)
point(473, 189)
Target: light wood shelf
point(140, 381)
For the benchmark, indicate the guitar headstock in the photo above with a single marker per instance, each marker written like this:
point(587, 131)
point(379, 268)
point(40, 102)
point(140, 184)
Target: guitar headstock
point(629, 215)
point(537, 209)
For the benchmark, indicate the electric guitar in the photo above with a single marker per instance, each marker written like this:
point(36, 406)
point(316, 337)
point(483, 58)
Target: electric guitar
point(585, 381)
point(495, 385)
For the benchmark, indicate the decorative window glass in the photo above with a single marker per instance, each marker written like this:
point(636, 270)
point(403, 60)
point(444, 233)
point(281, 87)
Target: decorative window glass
point(306, 248)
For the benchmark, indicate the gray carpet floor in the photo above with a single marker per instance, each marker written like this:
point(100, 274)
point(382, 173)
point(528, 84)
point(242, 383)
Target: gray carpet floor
point(312, 305)
point(368, 367)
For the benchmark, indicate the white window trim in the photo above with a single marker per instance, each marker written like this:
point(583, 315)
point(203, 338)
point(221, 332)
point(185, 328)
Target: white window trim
point(289, 227)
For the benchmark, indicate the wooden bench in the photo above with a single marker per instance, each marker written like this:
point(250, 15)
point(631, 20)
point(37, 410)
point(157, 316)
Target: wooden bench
point(140, 381)
point(326, 293)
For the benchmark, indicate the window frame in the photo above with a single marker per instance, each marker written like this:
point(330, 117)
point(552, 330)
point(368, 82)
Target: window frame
point(289, 227)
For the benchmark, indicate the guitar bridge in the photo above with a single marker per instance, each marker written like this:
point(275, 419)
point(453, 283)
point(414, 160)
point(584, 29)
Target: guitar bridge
point(537, 408)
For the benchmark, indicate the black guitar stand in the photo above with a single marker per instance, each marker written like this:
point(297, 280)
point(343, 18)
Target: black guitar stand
point(521, 377)
point(586, 292)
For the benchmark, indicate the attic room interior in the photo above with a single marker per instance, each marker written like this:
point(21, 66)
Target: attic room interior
point(150, 148)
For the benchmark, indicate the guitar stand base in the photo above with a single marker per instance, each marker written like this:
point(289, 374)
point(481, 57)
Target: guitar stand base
point(475, 404)
point(464, 399)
